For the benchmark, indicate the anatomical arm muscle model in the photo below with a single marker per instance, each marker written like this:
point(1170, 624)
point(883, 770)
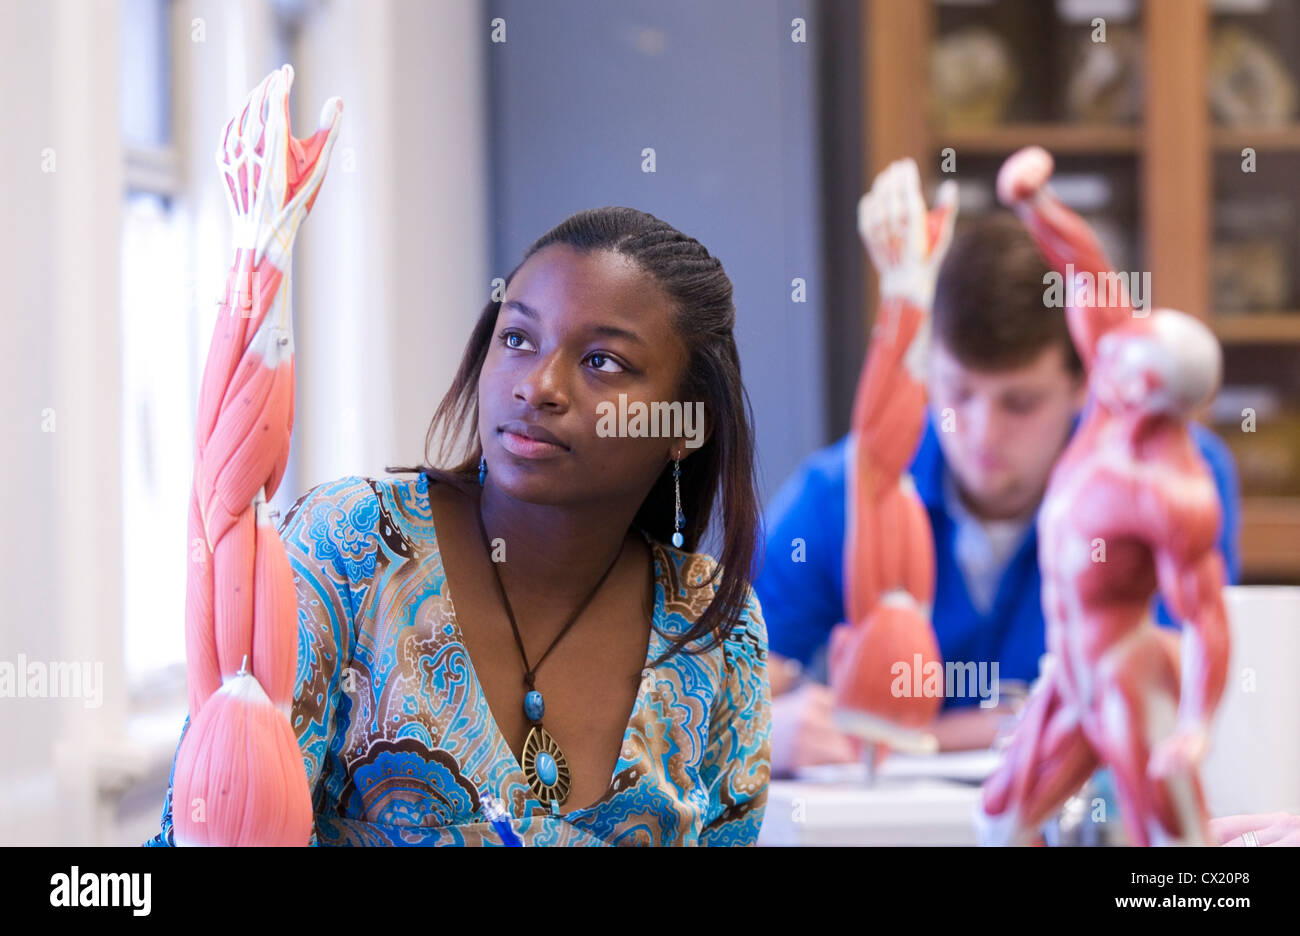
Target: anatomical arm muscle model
point(1191, 577)
point(239, 777)
point(889, 547)
point(1130, 507)
point(1067, 244)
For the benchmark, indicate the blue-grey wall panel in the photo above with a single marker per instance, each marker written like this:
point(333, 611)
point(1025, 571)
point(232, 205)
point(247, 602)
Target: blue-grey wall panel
point(724, 95)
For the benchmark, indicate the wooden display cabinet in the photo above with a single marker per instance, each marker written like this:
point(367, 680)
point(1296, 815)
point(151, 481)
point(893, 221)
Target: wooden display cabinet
point(1170, 158)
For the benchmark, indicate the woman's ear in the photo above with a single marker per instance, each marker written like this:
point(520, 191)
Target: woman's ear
point(698, 431)
point(697, 428)
point(1079, 391)
point(679, 448)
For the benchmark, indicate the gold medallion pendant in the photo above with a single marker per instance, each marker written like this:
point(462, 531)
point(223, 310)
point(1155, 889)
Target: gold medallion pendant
point(545, 768)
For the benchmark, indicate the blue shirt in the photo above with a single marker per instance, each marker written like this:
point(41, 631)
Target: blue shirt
point(803, 600)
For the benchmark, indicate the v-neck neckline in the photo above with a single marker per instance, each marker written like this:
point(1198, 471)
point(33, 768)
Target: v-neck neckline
point(652, 651)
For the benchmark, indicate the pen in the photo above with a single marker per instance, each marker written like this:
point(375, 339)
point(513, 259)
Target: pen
point(500, 819)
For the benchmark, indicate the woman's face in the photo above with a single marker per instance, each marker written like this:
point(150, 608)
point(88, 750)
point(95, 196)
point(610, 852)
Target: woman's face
point(576, 331)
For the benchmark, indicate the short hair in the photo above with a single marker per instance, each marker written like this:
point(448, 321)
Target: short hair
point(989, 310)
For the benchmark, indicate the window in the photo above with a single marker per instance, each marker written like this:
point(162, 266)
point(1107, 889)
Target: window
point(175, 249)
point(159, 378)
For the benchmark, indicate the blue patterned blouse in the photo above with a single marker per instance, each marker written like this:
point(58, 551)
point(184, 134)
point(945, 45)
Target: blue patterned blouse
point(396, 733)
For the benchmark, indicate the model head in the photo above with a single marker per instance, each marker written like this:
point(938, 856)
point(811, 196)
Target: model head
point(1169, 364)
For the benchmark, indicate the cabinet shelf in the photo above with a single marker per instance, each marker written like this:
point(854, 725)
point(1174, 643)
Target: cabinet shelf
point(1003, 139)
point(1263, 328)
point(1235, 139)
point(1270, 537)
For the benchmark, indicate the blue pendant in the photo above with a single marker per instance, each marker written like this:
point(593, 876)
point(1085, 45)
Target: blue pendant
point(678, 540)
point(547, 772)
point(545, 768)
point(534, 707)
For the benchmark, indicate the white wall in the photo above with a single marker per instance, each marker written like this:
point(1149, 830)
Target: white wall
point(61, 552)
point(727, 101)
point(27, 355)
point(401, 282)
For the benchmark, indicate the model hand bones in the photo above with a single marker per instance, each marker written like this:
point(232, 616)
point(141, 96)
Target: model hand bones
point(889, 547)
point(906, 242)
point(1130, 506)
point(271, 178)
point(239, 777)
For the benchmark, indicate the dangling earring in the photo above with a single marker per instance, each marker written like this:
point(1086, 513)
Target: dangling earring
point(679, 519)
point(482, 469)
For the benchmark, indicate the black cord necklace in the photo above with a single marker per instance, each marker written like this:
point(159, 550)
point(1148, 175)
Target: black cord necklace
point(544, 764)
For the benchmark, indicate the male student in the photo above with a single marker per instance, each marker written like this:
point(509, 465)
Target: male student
point(1003, 369)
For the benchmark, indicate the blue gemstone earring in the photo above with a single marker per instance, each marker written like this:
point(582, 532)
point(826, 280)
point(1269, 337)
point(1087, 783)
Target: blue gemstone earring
point(482, 469)
point(679, 519)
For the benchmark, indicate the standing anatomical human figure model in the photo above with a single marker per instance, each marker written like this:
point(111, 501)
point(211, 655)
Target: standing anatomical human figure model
point(239, 777)
point(1130, 506)
point(889, 547)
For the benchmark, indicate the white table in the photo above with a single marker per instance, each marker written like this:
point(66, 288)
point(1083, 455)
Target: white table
point(907, 805)
point(1253, 764)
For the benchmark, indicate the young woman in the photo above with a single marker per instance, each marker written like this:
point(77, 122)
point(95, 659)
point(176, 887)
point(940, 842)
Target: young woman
point(517, 625)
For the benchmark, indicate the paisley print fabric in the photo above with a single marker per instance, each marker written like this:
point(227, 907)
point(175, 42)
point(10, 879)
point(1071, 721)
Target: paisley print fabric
point(396, 733)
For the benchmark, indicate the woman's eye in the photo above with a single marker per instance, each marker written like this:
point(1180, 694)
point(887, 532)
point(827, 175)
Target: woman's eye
point(509, 337)
point(599, 360)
